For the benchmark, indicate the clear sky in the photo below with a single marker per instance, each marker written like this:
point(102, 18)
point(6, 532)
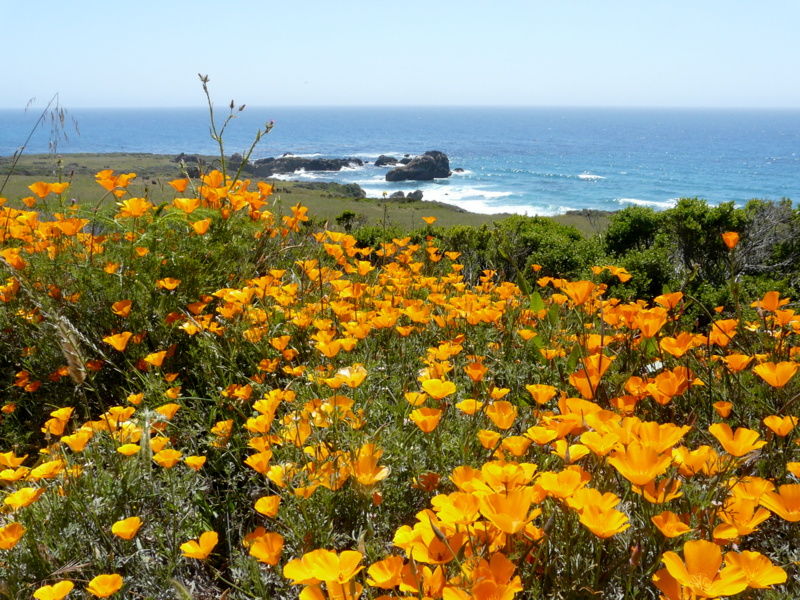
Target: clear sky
point(147, 53)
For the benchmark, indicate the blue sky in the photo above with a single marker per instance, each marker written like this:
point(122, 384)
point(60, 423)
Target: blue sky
point(699, 53)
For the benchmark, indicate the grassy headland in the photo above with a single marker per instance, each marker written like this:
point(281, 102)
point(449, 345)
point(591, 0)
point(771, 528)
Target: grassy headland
point(154, 171)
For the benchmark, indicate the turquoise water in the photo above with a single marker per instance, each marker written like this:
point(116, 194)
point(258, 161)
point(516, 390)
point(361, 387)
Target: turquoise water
point(525, 160)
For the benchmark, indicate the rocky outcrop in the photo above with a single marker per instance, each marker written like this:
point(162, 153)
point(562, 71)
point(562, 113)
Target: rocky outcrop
point(384, 160)
point(431, 165)
point(331, 189)
point(266, 167)
point(415, 195)
point(398, 195)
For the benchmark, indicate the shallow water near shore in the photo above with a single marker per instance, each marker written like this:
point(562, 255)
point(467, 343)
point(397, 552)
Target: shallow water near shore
point(542, 161)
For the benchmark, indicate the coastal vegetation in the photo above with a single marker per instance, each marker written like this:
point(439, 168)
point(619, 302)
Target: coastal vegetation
point(209, 390)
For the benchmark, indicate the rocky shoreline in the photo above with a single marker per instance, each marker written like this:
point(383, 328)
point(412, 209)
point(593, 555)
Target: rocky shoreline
point(425, 167)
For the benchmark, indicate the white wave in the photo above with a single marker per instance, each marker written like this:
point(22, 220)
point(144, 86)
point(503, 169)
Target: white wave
point(462, 173)
point(371, 181)
point(586, 176)
point(474, 200)
point(663, 205)
point(293, 155)
point(374, 155)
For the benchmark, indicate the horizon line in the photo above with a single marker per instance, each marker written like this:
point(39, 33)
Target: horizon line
point(32, 108)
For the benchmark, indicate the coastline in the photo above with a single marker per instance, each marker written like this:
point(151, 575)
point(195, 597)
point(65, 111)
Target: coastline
point(154, 171)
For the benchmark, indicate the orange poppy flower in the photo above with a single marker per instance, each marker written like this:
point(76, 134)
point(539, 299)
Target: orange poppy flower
point(122, 308)
point(267, 548)
point(104, 586)
point(758, 569)
point(723, 408)
point(578, 291)
point(167, 458)
point(509, 511)
point(701, 573)
point(670, 524)
point(168, 283)
point(10, 535)
point(669, 301)
point(771, 302)
point(736, 444)
point(268, 505)
point(785, 502)
point(57, 591)
point(604, 523)
point(201, 227)
point(740, 517)
point(458, 508)
point(639, 464)
point(259, 462)
point(119, 341)
point(202, 547)
point(438, 389)
point(777, 375)
point(502, 414)
point(541, 393)
point(11, 460)
point(23, 497)
point(731, 238)
point(488, 439)
point(584, 497)
point(782, 426)
point(426, 418)
point(134, 207)
point(325, 565)
point(127, 528)
point(562, 484)
point(666, 490)
point(129, 449)
point(679, 345)
point(386, 573)
point(156, 358)
point(195, 462)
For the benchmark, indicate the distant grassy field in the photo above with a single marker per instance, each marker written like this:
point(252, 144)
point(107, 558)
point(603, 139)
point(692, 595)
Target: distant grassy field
point(154, 171)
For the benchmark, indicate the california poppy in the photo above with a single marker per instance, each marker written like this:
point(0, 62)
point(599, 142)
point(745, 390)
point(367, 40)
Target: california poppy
point(127, 528)
point(57, 591)
point(202, 547)
point(104, 586)
point(777, 375)
point(701, 572)
point(10, 535)
point(737, 444)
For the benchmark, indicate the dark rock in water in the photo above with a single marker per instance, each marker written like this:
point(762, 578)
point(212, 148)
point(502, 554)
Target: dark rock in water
point(406, 156)
point(235, 160)
point(415, 195)
point(342, 190)
point(385, 160)
point(404, 161)
point(431, 165)
point(285, 154)
point(398, 195)
point(458, 170)
point(266, 167)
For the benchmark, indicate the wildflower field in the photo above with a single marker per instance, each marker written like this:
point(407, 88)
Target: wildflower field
point(216, 397)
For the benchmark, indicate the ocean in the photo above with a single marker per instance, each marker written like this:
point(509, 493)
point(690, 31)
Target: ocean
point(543, 161)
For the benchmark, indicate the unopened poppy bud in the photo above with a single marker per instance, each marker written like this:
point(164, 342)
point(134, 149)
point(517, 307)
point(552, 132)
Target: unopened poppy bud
point(548, 526)
point(636, 555)
point(437, 532)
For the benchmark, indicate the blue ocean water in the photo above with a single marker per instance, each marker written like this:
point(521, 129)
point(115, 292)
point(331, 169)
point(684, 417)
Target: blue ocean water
point(525, 160)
